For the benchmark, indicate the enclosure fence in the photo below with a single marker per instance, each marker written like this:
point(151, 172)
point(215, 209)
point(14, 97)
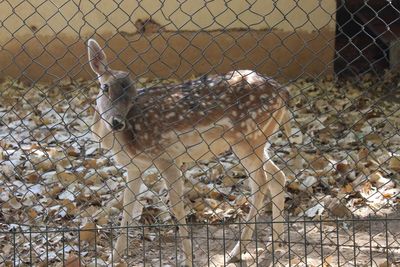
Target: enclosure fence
point(250, 133)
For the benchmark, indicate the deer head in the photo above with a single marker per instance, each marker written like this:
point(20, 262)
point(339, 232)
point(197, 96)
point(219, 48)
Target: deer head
point(116, 89)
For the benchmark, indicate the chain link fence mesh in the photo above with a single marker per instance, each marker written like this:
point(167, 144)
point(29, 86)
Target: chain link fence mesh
point(61, 193)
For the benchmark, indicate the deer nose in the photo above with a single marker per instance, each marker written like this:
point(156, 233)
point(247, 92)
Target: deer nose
point(117, 124)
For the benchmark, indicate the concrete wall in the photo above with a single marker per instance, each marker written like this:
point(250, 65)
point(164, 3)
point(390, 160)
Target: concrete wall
point(45, 40)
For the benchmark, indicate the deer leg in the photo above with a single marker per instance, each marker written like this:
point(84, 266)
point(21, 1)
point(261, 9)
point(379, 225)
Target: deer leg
point(131, 209)
point(253, 165)
point(286, 124)
point(174, 179)
point(276, 184)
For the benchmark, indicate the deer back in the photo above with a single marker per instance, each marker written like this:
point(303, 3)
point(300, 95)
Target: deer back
point(209, 113)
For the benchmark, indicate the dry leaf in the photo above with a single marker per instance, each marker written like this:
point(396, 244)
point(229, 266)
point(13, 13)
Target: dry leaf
point(55, 191)
point(374, 177)
point(296, 261)
point(216, 195)
point(366, 188)
point(73, 261)
point(14, 203)
point(241, 200)
point(199, 205)
point(229, 181)
point(339, 210)
point(70, 206)
point(66, 177)
point(231, 197)
point(32, 213)
point(385, 263)
point(319, 163)
point(294, 185)
point(328, 261)
point(363, 154)
point(121, 264)
point(32, 178)
point(380, 181)
point(102, 220)
point(373, 138)
point(394, 163)
point(88, 233)
point(149, 180)
point(91, 164)
point(347, 189)
point(73, 152)
point(44, 165)
point(343, 167)
point(93, 179)
point(212, 203)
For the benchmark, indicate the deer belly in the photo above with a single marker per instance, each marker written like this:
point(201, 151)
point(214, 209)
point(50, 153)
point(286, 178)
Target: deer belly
point(196, 144)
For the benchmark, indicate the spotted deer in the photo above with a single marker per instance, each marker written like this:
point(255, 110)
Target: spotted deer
point(166, 126)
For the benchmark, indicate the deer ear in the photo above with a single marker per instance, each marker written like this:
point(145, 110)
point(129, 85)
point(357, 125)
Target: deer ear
point(97, 58)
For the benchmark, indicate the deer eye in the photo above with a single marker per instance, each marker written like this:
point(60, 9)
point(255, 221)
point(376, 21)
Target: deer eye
point(105, 88)
point(125, 85)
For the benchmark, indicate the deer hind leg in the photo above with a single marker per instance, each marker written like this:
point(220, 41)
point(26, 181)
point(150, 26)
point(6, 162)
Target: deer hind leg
point(276, 180)
point(258, 184)
point(131, 209)
point(173, 177)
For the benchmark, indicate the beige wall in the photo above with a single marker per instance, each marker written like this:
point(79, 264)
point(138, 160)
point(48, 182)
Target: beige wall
point(46, 38)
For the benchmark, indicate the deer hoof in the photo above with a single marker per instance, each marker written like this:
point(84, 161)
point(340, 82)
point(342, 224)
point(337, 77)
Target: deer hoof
point(234, 259)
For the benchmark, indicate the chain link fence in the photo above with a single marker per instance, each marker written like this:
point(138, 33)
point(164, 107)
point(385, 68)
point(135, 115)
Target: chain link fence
point(89, 156)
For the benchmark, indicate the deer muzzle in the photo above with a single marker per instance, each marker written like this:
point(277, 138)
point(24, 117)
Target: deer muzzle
point(117, 124)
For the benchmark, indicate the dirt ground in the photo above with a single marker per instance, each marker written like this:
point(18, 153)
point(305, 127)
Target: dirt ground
point(311, 243)
point(60, 194)
point(308, 243)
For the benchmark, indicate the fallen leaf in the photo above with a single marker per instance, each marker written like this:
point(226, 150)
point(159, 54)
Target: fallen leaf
point(70, 206)
point(229, 181)
point(363, 154)
point(199, 205)
point(66, 177)
point(373, 138)
point(90, 163)
point(14, 203)
point(73, 261)
point(319, 163)
point(394, 163)
point(216, 195)
point(32, 213)
point(366, 188)
point(328, 261)
point(121, 264)
point(32, 178)
point(294, 185)
point(44, 165)
point(339, 210)
point(347, 189)
point(386, 263)
point(343, 167)
point(55, 191)
point(73, 152)
point(88, 233)
point(212, 203)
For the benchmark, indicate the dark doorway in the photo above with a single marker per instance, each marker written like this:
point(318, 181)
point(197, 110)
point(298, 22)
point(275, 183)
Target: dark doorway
point(366, 35)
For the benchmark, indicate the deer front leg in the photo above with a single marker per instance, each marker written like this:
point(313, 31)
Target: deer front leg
point(173, 177)
point(131, 210)
point(258, 190)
